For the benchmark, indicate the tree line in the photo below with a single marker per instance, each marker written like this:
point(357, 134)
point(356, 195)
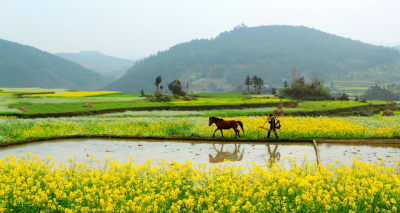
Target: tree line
point(257, 82)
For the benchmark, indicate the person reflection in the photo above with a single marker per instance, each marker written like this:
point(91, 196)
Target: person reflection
point(221, 156)
point(273, 156)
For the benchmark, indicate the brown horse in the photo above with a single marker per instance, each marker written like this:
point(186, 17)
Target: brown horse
point(222, 124)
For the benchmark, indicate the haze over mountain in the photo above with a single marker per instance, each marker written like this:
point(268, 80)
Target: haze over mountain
point(397, 47)
point(269, 52)
point(108, 66)
point(26, 66)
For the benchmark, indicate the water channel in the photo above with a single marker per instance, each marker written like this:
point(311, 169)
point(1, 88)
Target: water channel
point(200, 152)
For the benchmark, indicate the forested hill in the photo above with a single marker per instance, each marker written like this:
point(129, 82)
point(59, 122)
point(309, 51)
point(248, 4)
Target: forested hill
point(397, 47)
point(108, 66)
point(269, 52)
point(26, 66)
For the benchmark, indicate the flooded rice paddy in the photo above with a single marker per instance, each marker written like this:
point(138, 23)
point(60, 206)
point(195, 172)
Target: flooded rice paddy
point(200, 152)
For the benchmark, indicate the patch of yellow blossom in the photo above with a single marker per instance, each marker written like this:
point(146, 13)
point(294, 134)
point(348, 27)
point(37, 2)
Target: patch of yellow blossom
point(31, 185)
point(292, 127)
point(75, 94)
point(7, 117)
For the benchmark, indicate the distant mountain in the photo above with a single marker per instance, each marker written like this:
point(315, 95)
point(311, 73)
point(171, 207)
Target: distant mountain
point(269, 52)
point(397, 47)
point(26, 66)
point(108, 66)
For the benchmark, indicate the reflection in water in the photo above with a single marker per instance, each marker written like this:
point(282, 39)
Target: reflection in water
point(199, 152)
point(221, 156)
point(273, 156)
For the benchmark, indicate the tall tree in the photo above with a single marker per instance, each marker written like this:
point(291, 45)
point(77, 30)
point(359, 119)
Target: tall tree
point(158, 81)
point(274, 92)
point(293, 72)
point(256, 82)
point(176, 88)
point(248, 82)
point(260, 84)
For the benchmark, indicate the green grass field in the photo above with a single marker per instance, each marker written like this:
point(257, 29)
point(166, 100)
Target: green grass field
point(327, 105)
point(43, 105)
point(223, 95)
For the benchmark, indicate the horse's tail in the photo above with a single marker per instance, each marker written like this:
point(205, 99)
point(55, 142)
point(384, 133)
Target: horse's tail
point(241, 125)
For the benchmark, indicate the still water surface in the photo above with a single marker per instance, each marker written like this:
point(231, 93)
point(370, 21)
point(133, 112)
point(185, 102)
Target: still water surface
point(199, 152)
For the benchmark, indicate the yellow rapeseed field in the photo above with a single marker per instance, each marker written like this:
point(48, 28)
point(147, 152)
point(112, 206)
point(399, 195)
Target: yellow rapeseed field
point(292, 127)
point(75, 94)
point(32, 185)
point(7, 117)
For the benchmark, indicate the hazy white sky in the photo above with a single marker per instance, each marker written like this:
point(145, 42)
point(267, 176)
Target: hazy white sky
point(134, 29)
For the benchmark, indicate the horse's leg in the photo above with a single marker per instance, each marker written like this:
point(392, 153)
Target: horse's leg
point(214, 147)
point(236, 150)
point(215, 131)
point(236, 132)
point(222, 133)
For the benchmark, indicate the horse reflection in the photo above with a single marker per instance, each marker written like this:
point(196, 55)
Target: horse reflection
point(273, 156)
point(221, 156)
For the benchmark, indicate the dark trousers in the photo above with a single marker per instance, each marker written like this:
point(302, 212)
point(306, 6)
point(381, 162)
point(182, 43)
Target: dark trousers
point(269, 134)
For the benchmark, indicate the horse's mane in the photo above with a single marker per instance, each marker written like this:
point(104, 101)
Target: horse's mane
point(218, 119)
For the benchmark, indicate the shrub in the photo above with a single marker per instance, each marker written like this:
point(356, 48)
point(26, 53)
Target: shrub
point(161, 98)
point(344, 97)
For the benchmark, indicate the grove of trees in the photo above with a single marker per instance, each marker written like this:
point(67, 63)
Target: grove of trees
point(377, 92)
point(302, 90)
point(256, 82)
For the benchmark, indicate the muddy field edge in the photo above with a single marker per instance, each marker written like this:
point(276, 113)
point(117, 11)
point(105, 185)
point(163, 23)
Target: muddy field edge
point(204, 139)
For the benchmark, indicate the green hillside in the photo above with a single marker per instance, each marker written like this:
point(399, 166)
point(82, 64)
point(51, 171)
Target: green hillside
point(25, 66)
point(269, 52)
point(108, 66)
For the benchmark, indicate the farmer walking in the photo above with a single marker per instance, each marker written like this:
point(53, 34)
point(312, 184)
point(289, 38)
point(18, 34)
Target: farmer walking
point(272, 127)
